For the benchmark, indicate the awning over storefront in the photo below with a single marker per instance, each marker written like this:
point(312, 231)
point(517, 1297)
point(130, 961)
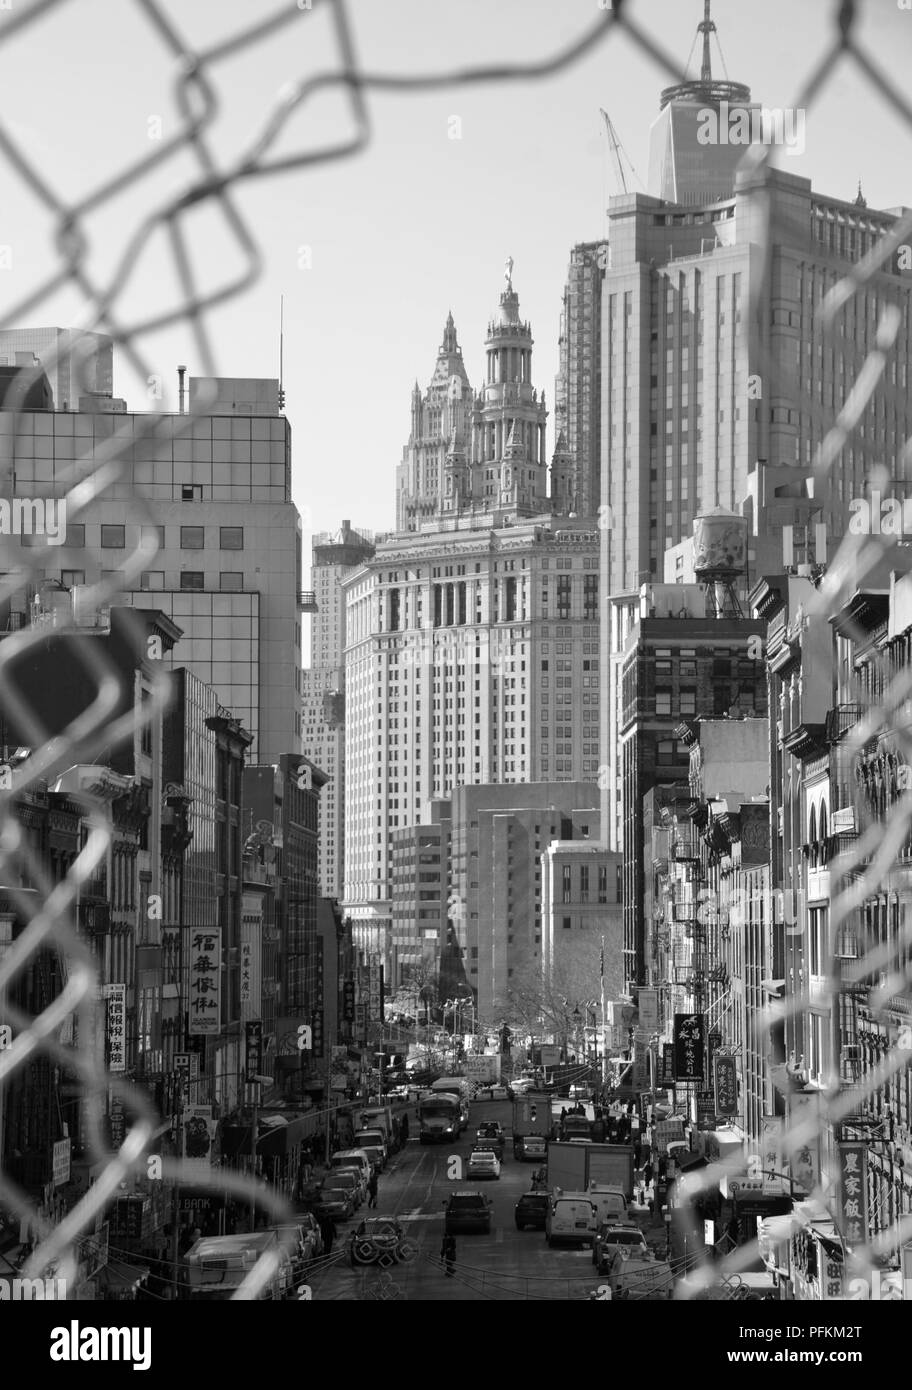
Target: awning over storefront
point(277, 1135)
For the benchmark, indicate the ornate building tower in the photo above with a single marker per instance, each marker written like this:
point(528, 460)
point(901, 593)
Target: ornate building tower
point(440, 423)
point(509, 471)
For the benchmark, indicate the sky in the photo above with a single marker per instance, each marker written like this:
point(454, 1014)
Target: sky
point(372, 251)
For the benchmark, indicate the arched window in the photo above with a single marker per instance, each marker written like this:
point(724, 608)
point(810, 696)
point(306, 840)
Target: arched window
point(812, 836)
point(824, 834)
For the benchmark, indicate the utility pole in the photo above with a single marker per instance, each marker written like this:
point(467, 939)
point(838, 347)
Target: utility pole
point(253, 1151)
point(175, 1194)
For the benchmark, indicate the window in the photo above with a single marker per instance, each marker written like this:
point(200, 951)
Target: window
point(70, 577)
point(231, 581)
point(568, 922)
point(662, 701)
point(231, 538)
point(193, 579)
point(76, 535)
point(152, 536)
point(567, 893)
point(112, 538)
point(193, 537)
point(191, 492)
point(152, 579)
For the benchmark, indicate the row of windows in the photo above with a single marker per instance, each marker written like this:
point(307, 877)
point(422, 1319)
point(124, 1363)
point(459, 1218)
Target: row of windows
point(113, 537)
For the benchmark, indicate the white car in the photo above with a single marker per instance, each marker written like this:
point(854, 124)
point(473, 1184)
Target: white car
point(498, 1093)
point(522, 1085)
point(483, 1164)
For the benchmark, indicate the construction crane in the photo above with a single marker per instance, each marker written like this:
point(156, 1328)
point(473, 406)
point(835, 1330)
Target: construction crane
point(617, 149)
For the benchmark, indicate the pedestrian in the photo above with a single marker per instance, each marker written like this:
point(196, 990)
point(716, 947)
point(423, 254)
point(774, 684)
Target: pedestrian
point(372, 1190)
point(648, 1173)
point(448, 1254)
point(404, 1130)
point(327, 1231)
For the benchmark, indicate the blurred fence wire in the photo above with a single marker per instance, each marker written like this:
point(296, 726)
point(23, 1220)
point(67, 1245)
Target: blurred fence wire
point(48, 909)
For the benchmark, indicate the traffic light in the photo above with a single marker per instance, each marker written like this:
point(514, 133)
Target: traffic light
point(533, 1114)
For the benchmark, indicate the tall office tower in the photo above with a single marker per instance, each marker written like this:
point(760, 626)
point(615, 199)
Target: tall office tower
point(472, 643)
point(439, 417)
point(77, 363)
point(323, 688)
point(686, 167)
point(575, 466)
point(715, 360)
point(213, 493)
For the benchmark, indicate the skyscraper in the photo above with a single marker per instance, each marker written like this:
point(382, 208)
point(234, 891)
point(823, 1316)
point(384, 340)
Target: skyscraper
point(472, 643)
point(323, 688)
point(575, 468)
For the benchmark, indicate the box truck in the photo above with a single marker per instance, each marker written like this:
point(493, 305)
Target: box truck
point(532, 1126)
point(574, 1167)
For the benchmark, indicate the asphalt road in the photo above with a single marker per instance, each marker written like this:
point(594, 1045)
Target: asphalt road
point(506, 1265)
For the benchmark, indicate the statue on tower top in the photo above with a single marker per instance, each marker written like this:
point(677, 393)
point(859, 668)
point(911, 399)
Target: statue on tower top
point(508, 272)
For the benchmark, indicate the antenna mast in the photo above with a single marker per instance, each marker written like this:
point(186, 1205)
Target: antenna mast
point(281, 352)
point(706, 28)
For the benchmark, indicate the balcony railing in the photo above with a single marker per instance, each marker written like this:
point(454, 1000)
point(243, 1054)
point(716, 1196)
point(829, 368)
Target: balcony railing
point(840, 720)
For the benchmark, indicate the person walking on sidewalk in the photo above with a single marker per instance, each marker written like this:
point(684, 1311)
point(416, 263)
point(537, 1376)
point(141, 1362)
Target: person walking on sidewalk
point(372, 1190)
point(403, 1130)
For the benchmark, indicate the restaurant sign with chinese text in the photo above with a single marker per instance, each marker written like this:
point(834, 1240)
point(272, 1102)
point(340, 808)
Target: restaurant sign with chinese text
point(205, 981)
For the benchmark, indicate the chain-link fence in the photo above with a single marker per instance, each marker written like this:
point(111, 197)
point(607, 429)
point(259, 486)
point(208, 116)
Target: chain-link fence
point(63, 1030)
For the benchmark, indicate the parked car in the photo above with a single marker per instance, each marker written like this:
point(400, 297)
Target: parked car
point(353, 1158)
point(483, 1163)
point(613, 1237)
point(532, 1210)
point(302, 1240)
point(337, 1202)
point(346, 1177)
point(489, 1130)
point(378, 1240)
point(467, 1211)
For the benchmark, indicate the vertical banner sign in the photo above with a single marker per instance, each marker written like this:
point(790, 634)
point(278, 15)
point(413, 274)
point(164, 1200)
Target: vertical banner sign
point(375, 996)
point(831, 1271)
point(771, 1156)
point(115, 1035)
point(317, 1023)
point(689, 1045)
point(205, 970)
point(348, 1001)
point(725, 1084)
point(246, 971)
point(199, 1139)
point(804, 1139)
point(649, 1009)
point(853, 1193)
point(668, 1064)
point(253, 1032)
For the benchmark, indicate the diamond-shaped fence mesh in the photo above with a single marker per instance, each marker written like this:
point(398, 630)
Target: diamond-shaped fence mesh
point(63, 1032)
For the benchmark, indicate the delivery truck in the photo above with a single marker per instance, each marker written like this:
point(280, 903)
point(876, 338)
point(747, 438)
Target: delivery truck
point(575, 1167)
point(532, 1126)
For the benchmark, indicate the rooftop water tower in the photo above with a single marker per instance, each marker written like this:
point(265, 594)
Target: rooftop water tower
point(720, 559)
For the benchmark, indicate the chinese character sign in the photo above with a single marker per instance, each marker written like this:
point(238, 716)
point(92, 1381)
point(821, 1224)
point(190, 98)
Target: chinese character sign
point(199, 1139)
point(246, 971)
point(689, 1044)
point(771, 1155)
point(725, 1083)
point(116, 997)
point(205, 971)
point(830, 1272)
point(254, 1038)
point(668, 1064)
point(348, 1001)
point(853, 1193)
point(318, 1033)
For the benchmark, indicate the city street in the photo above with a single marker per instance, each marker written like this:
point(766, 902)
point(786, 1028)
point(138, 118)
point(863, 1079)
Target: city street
point(507, 1264)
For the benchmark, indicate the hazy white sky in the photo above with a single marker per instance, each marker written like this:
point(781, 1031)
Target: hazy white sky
point(419, 223)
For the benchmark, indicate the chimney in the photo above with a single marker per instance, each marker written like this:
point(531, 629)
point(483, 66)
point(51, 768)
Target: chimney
point(181, 373)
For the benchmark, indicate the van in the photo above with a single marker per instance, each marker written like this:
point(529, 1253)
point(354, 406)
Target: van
point(572, 1219)
point(610, 1202)
point(374, 1145)
point(217, 1266)
point(353, 1158)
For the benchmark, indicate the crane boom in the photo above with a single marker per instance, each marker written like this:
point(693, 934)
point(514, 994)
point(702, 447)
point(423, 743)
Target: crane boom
point(615, 150)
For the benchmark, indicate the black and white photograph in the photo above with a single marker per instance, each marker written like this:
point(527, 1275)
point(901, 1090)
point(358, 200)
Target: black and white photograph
point(456, 671)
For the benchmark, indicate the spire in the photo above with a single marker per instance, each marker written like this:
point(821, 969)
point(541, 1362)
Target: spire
point(449, 346)
point(514, 447)
point(706, 28)
point(560, 448)
point(860, 200)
